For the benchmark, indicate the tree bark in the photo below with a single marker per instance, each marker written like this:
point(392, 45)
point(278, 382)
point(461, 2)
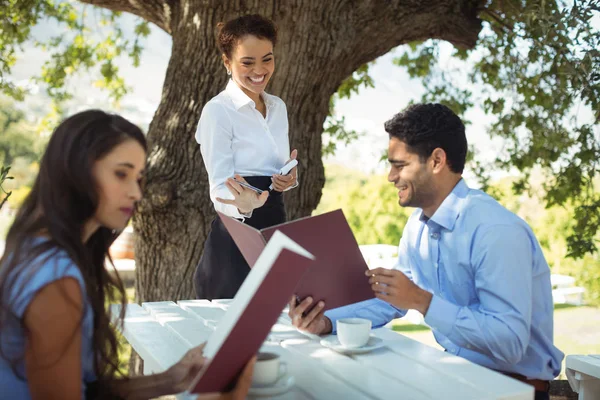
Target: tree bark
point(156, 11)
point(320, 44)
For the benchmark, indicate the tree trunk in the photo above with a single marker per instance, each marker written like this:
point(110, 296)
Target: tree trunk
point(320, 44)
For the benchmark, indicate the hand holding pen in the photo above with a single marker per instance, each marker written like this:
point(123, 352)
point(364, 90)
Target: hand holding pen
point(245, 197)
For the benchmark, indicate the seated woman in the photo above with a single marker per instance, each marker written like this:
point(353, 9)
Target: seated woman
point(56, 341)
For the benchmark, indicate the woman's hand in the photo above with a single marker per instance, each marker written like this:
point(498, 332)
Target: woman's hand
point(186, 370)
point(283, 182)
point(245, 199)
point(241, 388)
point(183, 373)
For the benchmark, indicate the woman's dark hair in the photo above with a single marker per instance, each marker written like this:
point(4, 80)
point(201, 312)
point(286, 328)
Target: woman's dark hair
point(425, 127)
point(63, 198)
point(230, 32)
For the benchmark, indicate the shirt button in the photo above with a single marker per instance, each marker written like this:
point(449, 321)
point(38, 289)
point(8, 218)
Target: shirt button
point(435, 235)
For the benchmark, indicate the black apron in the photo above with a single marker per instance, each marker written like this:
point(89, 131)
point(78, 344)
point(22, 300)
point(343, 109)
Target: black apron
point(222, 268)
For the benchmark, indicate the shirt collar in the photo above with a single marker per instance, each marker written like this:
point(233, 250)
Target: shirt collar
point(241, 99)
point(448, 212)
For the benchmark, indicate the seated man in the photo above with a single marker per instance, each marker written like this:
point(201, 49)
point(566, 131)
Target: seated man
point(474, 269)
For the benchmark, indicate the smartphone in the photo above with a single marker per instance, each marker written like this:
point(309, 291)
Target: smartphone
point(286, 169)
point(248, 186)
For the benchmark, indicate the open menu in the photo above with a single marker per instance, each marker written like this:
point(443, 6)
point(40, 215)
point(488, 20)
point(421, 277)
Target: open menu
point(252, 313)
point(337, 276)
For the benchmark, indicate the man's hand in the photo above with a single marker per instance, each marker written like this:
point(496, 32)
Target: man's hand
point(314, 322)
point(395, 288)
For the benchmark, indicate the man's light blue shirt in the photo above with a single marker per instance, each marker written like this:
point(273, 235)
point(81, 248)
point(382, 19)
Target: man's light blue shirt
point(492, 297)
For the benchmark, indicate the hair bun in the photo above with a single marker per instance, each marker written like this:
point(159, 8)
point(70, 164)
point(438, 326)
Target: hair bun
point(229, 33)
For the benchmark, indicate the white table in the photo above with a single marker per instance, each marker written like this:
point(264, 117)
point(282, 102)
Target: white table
point(583, 373)
point(162, 332)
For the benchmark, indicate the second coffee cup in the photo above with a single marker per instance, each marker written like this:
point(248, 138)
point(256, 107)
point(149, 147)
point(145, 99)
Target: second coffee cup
point(353, 332)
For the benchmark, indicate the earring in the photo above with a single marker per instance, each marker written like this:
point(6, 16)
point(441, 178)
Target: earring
point(228, 72)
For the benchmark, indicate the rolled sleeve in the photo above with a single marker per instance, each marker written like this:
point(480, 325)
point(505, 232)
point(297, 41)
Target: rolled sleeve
point(215, 136)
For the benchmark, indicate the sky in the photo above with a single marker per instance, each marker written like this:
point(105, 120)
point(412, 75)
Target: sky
point(365, 112)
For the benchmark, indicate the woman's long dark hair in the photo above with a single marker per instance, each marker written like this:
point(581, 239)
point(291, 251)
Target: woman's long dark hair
point(64, 196)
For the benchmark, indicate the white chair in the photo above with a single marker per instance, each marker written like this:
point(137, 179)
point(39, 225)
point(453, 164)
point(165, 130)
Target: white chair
point(379, 255)
point(564, 290)
point(561, 281)
point(583, 374)
point(568, 295)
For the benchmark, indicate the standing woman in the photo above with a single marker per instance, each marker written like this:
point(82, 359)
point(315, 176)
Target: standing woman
point(56, 340)
point(243, 136)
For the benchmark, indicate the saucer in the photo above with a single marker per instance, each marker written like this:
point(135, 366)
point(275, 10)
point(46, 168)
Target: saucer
point(332, 342)
point(282, 385)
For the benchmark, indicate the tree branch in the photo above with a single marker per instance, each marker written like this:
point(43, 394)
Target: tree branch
point(156, 11)
point(497, 18)
point(362, 33)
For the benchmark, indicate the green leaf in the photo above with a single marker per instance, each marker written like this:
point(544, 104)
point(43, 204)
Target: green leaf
point(538, 64)
point(72, 52)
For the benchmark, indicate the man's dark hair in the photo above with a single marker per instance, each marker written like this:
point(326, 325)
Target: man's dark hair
point(425, 127)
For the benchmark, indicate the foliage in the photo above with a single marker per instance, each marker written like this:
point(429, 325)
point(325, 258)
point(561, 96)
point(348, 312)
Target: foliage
point(370, 205)
point(20, 147)
point(3, 177)
point(73, 49)
point(17, 136)
point(538, 62)
point(552, 226)
point(335, 131)
point(18, 196)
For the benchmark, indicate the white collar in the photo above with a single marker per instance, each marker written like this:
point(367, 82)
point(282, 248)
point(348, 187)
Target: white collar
point(241, 99)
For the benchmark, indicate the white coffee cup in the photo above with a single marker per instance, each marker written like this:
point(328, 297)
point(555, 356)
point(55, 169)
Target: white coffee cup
point(353, 332)
point(268, 369)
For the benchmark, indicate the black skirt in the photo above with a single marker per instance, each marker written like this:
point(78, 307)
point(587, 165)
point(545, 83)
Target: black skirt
point(222, 268)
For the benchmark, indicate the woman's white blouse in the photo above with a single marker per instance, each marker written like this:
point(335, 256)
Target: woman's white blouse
point(235, 138)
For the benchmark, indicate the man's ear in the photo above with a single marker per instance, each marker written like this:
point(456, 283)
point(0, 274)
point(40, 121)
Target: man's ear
point(438, 159)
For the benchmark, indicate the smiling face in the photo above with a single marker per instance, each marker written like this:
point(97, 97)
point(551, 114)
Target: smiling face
point(412, 178)
point(252, 64)
point(118, 176)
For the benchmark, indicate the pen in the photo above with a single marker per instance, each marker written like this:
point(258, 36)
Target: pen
point(257, 190)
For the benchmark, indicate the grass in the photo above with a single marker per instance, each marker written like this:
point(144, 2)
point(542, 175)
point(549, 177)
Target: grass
point(130, 294)
point(575, 331)
point(403, 327)
point(563, 306)
point(124, 346)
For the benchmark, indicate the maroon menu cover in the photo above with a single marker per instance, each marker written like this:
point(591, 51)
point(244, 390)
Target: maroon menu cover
point(337, 276)
point(252, 313)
